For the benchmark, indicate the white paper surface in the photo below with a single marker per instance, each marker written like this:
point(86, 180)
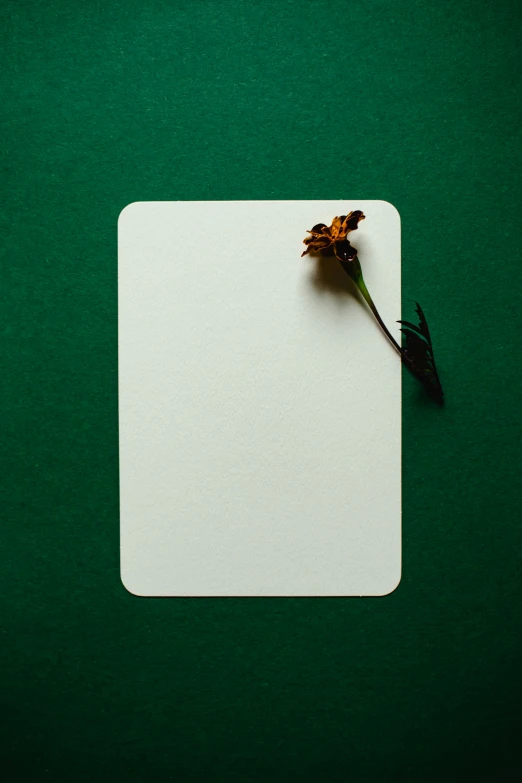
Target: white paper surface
point(260, 407)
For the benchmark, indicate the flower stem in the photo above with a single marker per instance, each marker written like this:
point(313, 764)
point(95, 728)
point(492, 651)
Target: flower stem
point(353, 269)
point(428, 376)
point(364, 291)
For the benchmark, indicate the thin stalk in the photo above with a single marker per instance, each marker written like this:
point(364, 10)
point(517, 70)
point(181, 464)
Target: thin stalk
point(353, 270)
point(361, 285)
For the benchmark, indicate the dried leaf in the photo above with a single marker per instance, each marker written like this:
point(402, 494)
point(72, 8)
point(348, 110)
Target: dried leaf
point(418, 353)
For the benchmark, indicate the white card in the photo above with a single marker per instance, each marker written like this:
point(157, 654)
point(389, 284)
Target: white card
point(259, 404)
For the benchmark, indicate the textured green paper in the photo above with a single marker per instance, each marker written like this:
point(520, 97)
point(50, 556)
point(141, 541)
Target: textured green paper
point(414, 102)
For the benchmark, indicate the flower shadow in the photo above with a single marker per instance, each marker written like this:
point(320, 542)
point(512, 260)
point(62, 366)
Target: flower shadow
point(328, 276)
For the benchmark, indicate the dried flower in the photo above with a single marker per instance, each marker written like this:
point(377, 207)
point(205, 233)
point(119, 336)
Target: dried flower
point(417, 351)
point(332, 240)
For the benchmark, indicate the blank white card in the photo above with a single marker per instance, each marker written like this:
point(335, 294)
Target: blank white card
point(259, 402)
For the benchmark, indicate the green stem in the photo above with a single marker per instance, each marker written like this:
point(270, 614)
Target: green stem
point(364, 291)
point(353, 269)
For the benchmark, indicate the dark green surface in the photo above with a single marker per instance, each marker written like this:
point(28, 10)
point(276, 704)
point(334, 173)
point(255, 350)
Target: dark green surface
point(110, 102)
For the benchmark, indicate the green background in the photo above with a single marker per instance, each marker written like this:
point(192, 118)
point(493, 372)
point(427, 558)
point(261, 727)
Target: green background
point(109, 102)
